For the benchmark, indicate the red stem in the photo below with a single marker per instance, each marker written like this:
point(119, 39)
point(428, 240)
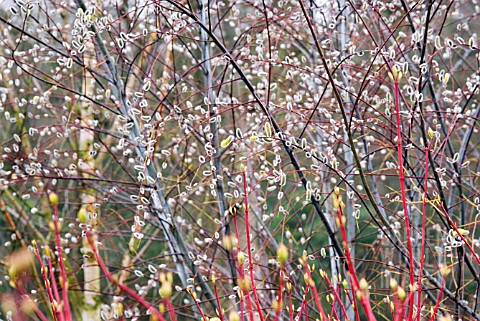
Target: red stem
point(53, 281)
point(280, 294)
point(335, 294)
point(197, 305)
point(169, 305)
point(48, 288)
point(242, 309)
point(452, 224)
point(315, 295)
point(319, 304)
point(399, 308)
point(351, 268)
point(351, 299)
point(122, 287)
point(249, 246)
point(37, 310)
point(220, 312)
point(241, 273)
point(32, 304)
point(437, 305)
point(304, 302)
point(290, 305)
point(423, 235)
point(249, 306)
point(402, 188)
point(63, 282)
point(392, 311)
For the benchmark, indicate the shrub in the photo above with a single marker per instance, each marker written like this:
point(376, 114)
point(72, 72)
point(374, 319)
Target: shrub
point(239, 160)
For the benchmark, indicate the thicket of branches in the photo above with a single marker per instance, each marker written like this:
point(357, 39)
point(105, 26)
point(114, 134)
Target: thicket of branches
point(239, 160)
